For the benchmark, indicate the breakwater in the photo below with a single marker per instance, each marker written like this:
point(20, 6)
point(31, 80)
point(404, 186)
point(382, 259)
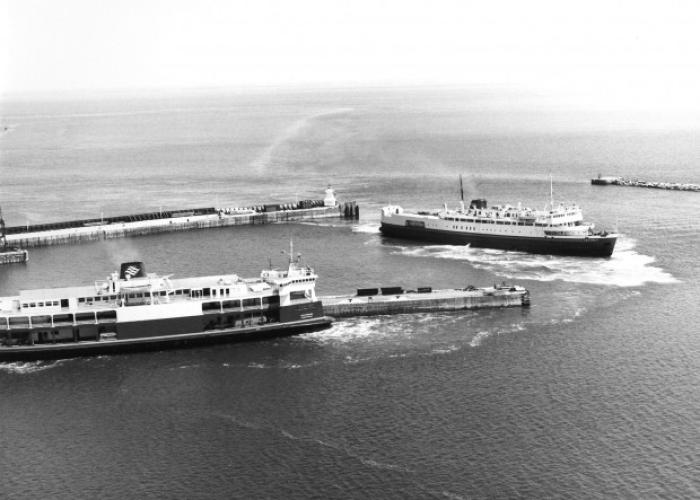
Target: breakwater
point(395, 300)
point(623, 181)
point(71, 232)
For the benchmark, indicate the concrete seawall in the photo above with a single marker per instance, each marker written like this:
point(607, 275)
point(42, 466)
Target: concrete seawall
point(144, 227)
point(437, 300)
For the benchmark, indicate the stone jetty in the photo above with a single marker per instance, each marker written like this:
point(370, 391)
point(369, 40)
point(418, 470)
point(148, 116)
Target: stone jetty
point(624, 181)
point(395, 300)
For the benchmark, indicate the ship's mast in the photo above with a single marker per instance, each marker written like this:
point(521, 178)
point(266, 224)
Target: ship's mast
point(551, 192)
point(3, 240)
point(291, 252)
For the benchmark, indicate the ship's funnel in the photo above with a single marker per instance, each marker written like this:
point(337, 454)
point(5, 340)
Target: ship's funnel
point(131, 270)
point(478, 204)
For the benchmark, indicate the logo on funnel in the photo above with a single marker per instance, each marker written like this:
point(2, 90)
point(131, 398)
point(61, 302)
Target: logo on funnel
point(132, 270)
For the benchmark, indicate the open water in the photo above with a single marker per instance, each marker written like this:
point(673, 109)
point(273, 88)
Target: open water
point(593, 392)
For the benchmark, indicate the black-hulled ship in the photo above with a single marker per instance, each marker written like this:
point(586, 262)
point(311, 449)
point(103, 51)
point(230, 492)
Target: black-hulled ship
point(558, 230)
point(133, 310)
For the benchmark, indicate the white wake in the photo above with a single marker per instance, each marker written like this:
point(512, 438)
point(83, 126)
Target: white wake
point(626, 267)
point(366, 228)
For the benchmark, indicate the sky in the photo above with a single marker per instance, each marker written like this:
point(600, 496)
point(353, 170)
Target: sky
point(617, 53)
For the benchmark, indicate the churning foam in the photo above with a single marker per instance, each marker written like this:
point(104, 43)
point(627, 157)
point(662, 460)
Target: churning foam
point(626, 267)
point(446, 350)
point(353, 330)
point(481, 335)
point(384, 328)
point(29, 366)
point(366, 228)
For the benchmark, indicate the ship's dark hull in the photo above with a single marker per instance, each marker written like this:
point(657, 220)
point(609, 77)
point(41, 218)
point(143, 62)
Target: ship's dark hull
point(161, 334)
point(592, 246)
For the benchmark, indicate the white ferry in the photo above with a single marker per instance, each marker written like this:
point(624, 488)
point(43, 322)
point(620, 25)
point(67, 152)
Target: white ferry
point(133, 310)
point(558, 229)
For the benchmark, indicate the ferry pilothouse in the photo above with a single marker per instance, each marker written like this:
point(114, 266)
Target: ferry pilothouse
point(133, 310)
point(558, 229)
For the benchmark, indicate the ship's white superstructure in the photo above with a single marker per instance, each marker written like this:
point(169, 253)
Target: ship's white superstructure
point(135, 307)
point(506, 220)
point(557, 229)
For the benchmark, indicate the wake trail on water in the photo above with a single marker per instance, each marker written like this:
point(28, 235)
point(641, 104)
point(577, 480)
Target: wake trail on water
point(625, 268)
point(23, 368)
point(366, 229)
point(482, 335)
point(266, 158)
point(313, 440)
point(366, 328)
point(344, 450)
point(421, 334)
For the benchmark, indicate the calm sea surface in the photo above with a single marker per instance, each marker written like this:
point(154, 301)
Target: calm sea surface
point(593, 392)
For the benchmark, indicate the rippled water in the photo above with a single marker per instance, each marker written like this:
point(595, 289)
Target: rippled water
point(591, 392)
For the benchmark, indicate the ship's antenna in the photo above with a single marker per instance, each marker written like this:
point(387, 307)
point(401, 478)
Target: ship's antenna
point(551, 192)
point(461, 188)
point(291, 250)
point(3, 239)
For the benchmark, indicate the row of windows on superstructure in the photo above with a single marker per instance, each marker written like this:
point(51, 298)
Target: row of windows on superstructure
point(538, 224)
point(206, 292)
point(47, 303)
point(491, 221)
point(508, 223)
point(499, 221)
point(108, 298)
point(307, 280)
point(474, 228)
point(267, 300)
point(203, 292)
point(502, 222)
point(161, 293)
